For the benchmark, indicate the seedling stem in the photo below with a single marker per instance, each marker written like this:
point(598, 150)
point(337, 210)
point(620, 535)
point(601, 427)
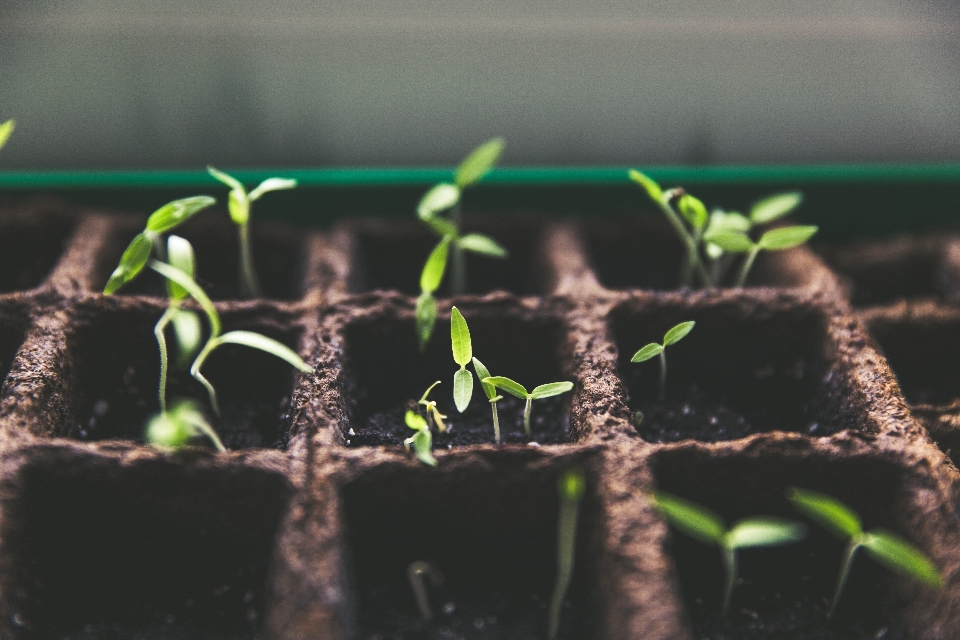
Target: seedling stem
point(518, 390)
point(415, 574)
point(672, 336)
point(571, 487)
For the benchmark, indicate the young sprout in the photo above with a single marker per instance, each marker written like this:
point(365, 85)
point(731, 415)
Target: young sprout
point(440, 198)
point(6, 129)
point(422, 440)
point(430, 406)
point(174, 429)
point(245, 338)
point(885, 547)
point(706, 526)
point(571, 486)
point(516, 389)
point(415, 574)
point(773, 240)
point(672, 336)
point(491, 393)
point(462, 354)
point(239, 203)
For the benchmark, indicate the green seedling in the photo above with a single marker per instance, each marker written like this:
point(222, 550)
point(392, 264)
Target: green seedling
point(516, 389)
point(571, 487)
point(422, 440)
point(443, 197)
point(150, 240)
point(176, 428)
point(239, 204)
point(6, 129)
point(462, 354)
point(672, 336)
point(491, 392)
point(416, 572)
point(885, 547)
point(430, 406)
point(215, 339)
point(773, 240)
point(706, 526)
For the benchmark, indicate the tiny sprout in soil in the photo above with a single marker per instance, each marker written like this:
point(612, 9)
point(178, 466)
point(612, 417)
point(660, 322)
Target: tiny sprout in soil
point(416, 572)
point(712, 240)
point(177, 427)
point(885, 547)
point(706, 526)
point(440, 198)
point(422, 440)
point(672, 336)
point(430, 406)
point(571, 487)
point(239, 203)
point(492, 396)
point(517, 390)
point(5, 130)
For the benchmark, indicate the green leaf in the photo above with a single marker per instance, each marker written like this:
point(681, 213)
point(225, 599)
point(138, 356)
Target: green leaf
point(508, 385)
point(426, 315)
point(180, 256)
point(267, 345)
point(678, 333)
point(776, 206)
point(187, 331)
point(729, 222)
point(572, 485)
point(650, 351)
point(5, 130)
point(835, 516)
point(460, 338)
point(239, 207)
point(423, 398)
point(225, 178)
point(195, 291)
point(730, 241)
point(435, 266)
point(690, 518)
point(652, 188)
point(166, 431)
point(439, 198)
point(551, 389)
point(764, 531)
point(482, 374)
point(479, 162)
point(899, 555)
point(694, 211)
point(271, 184)
point(422, 444)
point(443, 227)
point(174, 213)
point(478, 243)
point(462, 389)
point(132, 262)
point(415, 421)
point(786, 237)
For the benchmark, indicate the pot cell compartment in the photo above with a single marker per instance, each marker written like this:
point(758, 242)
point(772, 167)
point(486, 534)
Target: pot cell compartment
point(492, 534)
point(116, 368)
point(11, 337)
point(742, 370)
point(389, 256)
point(30, 248)
point(785, 592)
point(149, 550)
point(385, 373)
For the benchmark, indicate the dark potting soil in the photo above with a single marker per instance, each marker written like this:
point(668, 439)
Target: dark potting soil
point(549, 422)
point(29, 252)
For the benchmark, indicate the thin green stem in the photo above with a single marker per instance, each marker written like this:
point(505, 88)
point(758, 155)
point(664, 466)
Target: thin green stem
point(208, 348)
point(249, 284)
point(848, 555)
point(458, 268)
point(416, 573)
point(526, 415)
point(566, 541)
point(162, 343)
point(693, 256)
point(663, 375)
point(210, 433)
point(496, 421)
point(730, 566)
point(742, 279)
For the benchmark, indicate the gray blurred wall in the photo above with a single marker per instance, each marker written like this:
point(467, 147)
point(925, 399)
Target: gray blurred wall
point(107, 84)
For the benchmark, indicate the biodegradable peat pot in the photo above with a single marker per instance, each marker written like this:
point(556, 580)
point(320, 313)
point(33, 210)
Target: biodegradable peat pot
point(305, 528)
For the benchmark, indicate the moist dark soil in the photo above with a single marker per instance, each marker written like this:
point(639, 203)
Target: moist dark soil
point(29, 250)
point(548, 424)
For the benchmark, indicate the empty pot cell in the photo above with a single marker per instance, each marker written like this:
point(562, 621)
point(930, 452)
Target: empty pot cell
point(12, 328)
point(903, 268)
point(279, 259)
point(785, 592)
point(491, 533)
point(386, 374)
point(100, 549)
point(115, 370)
point(391, 256)
point(29, 249)
point(742, 370)
point(644, 252)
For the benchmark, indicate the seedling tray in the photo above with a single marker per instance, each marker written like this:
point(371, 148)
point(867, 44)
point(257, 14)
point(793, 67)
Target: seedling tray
point(304, 529)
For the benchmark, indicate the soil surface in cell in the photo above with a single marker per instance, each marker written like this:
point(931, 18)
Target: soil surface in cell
point(548, 424)
point(29, 253)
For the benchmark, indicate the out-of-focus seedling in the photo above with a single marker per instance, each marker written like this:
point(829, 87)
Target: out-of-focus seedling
point(571, 487)
point(672, 336)
point(773, 240)
point(443, 197)
point(516, 389)
point(491, 393)
point(706, 526)
point(239, 203)
point(186, 324)
point(885, 547)
point(176, 428)
point(6, 129)
point(422, 440)
point(430, 406)
point(416, 572)
point(462, 354)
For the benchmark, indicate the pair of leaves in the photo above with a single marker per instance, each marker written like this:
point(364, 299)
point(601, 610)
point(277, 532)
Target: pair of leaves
point(6, 129)
point(422, 440)
point(673, 336)
point(773, 240)
point(238, 202)
point(443, 196)
point(462, 355)
point(517, 390)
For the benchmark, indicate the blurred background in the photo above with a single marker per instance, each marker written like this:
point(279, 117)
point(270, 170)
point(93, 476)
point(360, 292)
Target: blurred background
point(183, 83)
